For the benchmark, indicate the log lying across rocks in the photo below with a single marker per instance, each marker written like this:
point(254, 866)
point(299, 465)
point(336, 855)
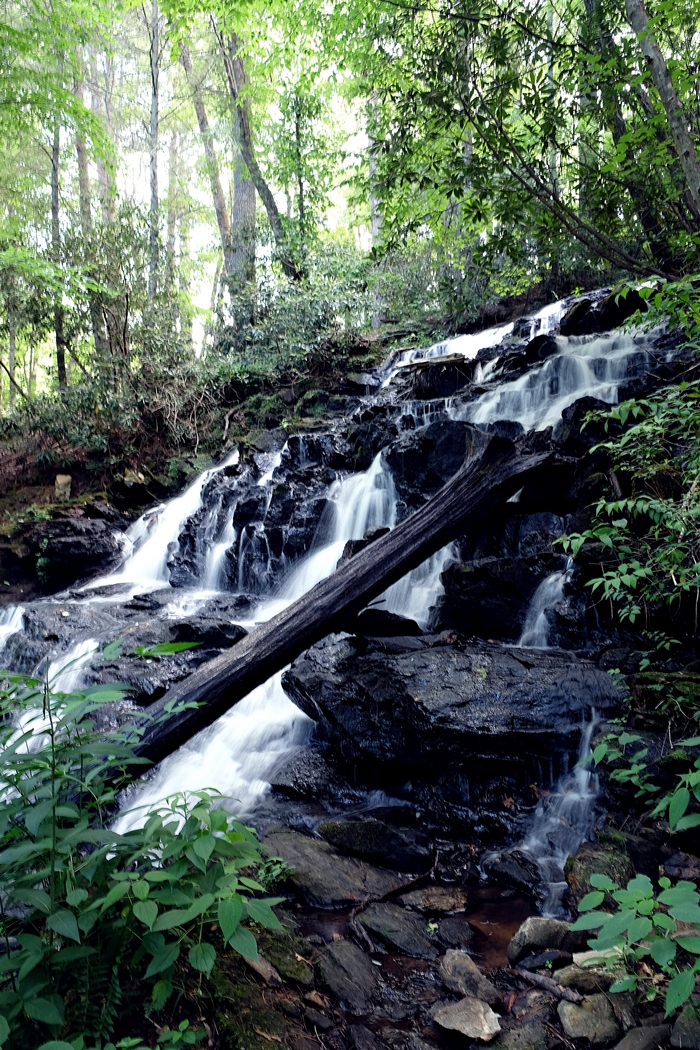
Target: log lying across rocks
point(493, 470)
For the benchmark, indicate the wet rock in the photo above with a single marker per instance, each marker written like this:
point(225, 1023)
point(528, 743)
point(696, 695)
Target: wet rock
point(471, 1017)
point(439, 377)
point(645, 1038)
point(459, 973)
point(422, 461)
point(585, 978)
point(686, 1031)
point(683, 866)
point(539, 932)
point(437, 900)
point(532, 1035)
point(315, 1019)
point(306, 774)
point(412, 712)
point(455, 932)
point(399, 928)
point(487, 598)
point(537, 533)
point(379, 623)
point(353, 547)
point(71, 549)
point(593, 1019)
point(375, 841)
point(349, 974)
point(362, 1039)
point(210, 631)
point(324, 878)
point(514, 868)
point(616, 854)
point(554, 959)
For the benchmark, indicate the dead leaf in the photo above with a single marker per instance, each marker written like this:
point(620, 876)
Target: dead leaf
point(265, 1035)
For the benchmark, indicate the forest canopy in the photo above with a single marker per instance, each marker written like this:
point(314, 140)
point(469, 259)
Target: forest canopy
point(195, 192)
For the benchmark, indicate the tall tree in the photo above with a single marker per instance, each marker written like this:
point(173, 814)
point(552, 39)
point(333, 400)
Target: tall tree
point(154, 56)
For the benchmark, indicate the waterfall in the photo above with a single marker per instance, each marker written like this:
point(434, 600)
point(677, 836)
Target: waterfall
point(562, 821)
point(551, 591)
point(10, 622)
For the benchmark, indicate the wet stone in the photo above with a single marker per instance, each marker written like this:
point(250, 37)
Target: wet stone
point(436, 900)
point(401, 929)
point(402, 850)
point(325, 879)
point(455, 932)
point(585, 979)
point(645, 1038)
point(362, 1039)
point(537, 932)
point(471, 1017)
point(553, 959)
point(459, 973)
point(686, 1032)
point(349, 974)
point(532, 1035)
point(593, 1019)
point(315, 1019)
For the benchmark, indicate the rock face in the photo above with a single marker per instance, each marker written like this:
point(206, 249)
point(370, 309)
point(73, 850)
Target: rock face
point(459, 973)
point(73, 548)
point(471, 1017)
point(413, 708)
point(326, 879)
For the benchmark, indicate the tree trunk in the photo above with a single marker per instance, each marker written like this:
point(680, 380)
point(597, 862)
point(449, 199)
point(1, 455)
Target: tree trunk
point(677, 120)
point(153, 148)
point(58, 315)
point(172, 212)
point(236, 79)
point(105, 182)
point(243, 217)
point(217, 191)
point(13, 353)
point(184, 278)
point(493, 472)
point(98, 330)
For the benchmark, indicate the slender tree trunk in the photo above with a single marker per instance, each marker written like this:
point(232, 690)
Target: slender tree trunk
point(153, 146)
point(184, 279)
point(58, 313)
point(12, 324)
point(85, 200)
point(677, 120)
point(105, 181)
point(172, 212)
point(243, 216)
point(217, 192)
point(236, 79)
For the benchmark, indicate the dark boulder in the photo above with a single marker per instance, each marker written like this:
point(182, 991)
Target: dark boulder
point(487, 598)
point(437, 377)
point(424, 460)
point(75, 548)
point(373, 840)
point(591, 317)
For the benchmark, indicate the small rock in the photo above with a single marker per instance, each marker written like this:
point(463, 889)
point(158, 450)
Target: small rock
point(362, 1039)
point(585, 979)
point(529, 1036)
point(593, 1019)
point(460, 974)
point(375, 841)
point(350, 976)
point(455, 932)
point(324, 878)
point(471, 1017)
point(624, 1009)
point(318, 1020)
point(537, 932)
point(446, 900)
point(62, 488)
point(552, 958)
point(686, 1032)
point(644, 1038)
point(401, 929)
point(683, 866)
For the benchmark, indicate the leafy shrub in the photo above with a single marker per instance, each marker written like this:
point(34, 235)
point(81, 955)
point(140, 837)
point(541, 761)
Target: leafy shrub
point(94, 921)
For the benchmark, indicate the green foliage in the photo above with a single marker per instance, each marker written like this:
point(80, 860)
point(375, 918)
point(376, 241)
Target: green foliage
point(90, 915)
point(644, 930)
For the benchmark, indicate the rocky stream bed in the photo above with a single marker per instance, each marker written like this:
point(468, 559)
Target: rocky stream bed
point(417, 772)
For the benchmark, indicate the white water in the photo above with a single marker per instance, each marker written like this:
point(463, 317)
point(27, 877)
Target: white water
point(238, 754)
point(10, 623)
point(562, 821)
point(586, 366)
point(536, 627)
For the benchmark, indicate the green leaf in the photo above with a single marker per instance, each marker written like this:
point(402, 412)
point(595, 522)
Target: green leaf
point(679, 990)
point(229, 914)
point(141, 889)
point(116, 893)
point(204, 847)
point(76, 897)
point(202, 957)
point(261, 912)
point(43, 1010)
point(686, 912)
point(679, 803)
point(591, 900)
point(691, 944)
point(5, 1030)
point(682, 893)
point(113, 651)
point(639, 929)
point(146, 912)
point(63, 923)
point(591, 921)
point(663, 951)
point(56, 1044)
point(37, 898)
point(691, 821)
point(243, 942)
point(164, 959)
point(162, 990)
point(602, 882)
point(625, 984)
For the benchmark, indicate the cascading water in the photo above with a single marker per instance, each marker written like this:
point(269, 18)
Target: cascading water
point(562, 821)
point(10, 623)
point(551, 591)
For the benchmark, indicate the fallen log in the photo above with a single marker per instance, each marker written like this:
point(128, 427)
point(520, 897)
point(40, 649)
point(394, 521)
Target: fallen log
point(492, 471)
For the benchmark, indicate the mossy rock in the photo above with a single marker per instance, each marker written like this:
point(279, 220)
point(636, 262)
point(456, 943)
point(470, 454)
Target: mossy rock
point(240, 1008)
point(287, 952)
point(616, 854)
